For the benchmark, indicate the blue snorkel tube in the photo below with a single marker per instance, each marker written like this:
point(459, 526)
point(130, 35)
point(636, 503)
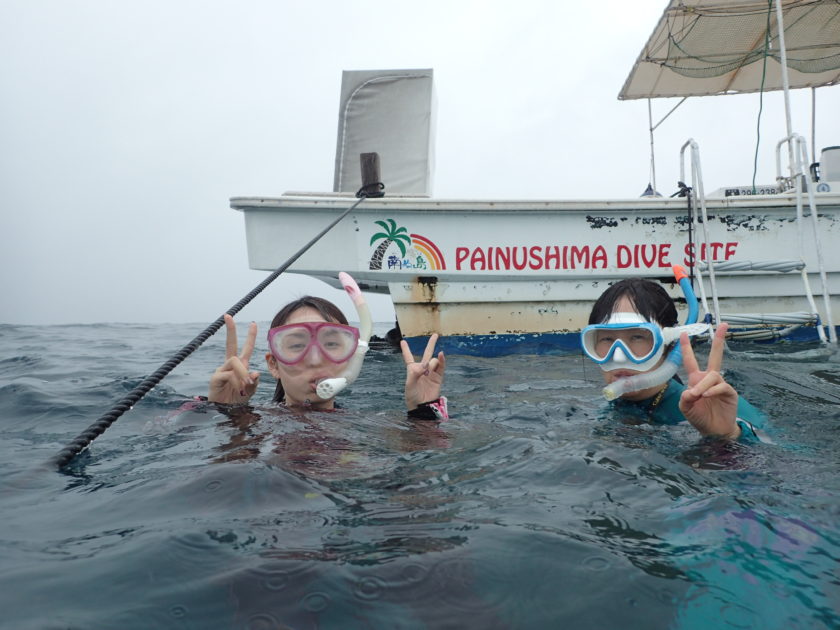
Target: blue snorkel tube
point(672, 362)
point(682, 278)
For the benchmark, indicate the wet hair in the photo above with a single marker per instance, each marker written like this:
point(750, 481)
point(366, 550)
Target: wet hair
point(329, 311)
point(649, 298)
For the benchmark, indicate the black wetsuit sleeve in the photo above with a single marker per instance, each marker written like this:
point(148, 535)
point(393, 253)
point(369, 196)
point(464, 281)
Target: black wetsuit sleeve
point(433, 410)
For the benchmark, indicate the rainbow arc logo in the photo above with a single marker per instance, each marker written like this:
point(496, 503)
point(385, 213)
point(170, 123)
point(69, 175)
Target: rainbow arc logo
point(431, 251)
point(417, 252)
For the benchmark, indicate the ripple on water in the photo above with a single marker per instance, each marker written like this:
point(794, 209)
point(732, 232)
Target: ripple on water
point(532, 507)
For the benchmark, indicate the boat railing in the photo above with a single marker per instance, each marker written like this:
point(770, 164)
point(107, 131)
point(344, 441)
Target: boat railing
point(799, 174)
point(697, 198)
point(710, 267)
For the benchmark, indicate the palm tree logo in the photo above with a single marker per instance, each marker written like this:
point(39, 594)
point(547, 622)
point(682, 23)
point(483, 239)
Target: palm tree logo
point(391, 234)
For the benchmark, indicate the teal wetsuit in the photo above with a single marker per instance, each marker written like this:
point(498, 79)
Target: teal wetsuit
point(667, 411)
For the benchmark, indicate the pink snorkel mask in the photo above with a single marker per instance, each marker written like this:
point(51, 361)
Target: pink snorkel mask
point(291, 343)
point(337, 343)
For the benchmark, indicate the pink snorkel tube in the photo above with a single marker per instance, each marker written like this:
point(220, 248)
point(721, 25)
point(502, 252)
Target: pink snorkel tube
point(329, 387)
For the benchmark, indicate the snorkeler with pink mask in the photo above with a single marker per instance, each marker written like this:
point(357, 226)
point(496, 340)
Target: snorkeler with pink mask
point(315, 353)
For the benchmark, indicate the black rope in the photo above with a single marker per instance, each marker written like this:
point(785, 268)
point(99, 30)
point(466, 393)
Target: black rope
point(689, 197)
point(98, 428)
point(686, 191)
point(371, 190)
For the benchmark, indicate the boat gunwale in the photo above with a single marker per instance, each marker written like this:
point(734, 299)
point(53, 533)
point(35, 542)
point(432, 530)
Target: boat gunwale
point(337, 201)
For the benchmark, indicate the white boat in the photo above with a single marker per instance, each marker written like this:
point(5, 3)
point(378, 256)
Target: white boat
point(499, 276)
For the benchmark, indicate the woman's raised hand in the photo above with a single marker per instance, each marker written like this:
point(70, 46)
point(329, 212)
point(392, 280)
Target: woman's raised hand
point(423, 379)
point(232, 383)
point(709, 403)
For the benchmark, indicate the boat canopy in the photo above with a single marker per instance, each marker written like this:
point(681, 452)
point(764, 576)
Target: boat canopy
point(708, 47)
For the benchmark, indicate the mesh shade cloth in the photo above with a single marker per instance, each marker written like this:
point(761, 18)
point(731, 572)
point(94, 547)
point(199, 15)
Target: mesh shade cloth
point(720, 46)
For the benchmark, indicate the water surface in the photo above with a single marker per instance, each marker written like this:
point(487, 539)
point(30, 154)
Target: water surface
point(530, 508)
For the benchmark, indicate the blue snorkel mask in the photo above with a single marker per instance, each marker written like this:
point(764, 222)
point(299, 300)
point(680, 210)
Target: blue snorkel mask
point(628, 341)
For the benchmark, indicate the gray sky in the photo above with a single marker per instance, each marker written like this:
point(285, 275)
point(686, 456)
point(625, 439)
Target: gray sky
point(125, 127)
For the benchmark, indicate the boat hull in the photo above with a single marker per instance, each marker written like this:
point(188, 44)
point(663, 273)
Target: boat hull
point(510, 271)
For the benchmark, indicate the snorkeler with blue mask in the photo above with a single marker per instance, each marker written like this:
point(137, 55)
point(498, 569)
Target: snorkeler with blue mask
point(634, 338)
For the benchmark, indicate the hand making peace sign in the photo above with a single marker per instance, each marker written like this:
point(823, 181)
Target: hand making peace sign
point(709, 403)
point(232, 383)
point(423, 379)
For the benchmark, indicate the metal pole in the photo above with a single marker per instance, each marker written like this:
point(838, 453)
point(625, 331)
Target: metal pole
point(780, 26)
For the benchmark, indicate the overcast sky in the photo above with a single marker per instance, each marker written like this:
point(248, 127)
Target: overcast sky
point(126, 126)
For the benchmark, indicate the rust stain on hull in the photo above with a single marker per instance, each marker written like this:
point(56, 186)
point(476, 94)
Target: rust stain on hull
point(425, 312)
point(490, 318)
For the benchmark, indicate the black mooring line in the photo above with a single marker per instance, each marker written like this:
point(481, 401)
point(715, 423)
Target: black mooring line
point(83, 440)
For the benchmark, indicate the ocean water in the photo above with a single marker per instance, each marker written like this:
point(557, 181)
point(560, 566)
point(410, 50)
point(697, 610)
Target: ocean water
point(530, 508)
